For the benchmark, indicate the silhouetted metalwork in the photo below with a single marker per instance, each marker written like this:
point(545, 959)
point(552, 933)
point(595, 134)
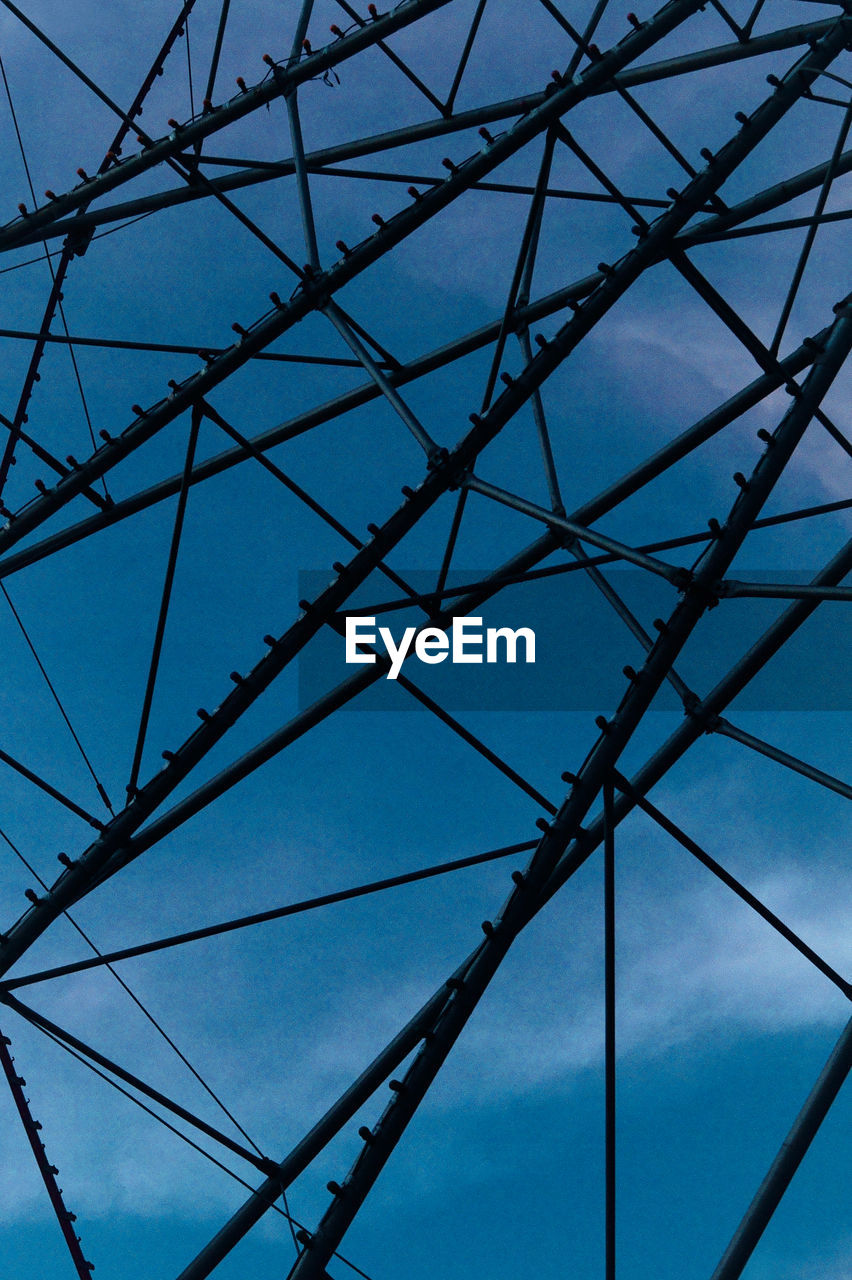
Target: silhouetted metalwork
point(671, 227)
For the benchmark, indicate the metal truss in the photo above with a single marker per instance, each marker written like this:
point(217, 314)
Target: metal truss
point(632, 144)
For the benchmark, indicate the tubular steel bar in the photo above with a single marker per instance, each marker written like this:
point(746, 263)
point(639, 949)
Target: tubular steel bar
point(735, 885)
point(49, 790)
point(275, 913)
point(165, 599)
point(671, 573)
point(66, 1038)
point(730, 588)
point(804, 1129)
point(609, 1030)
point(827, 780)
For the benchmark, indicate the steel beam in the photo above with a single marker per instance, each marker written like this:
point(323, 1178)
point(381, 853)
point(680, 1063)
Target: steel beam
point(784, 1166)
point(827, 780)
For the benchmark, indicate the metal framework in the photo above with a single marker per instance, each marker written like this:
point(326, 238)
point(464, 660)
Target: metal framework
point(722, 231)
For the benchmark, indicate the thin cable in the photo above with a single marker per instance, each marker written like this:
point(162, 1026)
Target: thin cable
point(31, 262)
point(284, 1213)
point(105, 960)
point(64, 258)
point(99, 785)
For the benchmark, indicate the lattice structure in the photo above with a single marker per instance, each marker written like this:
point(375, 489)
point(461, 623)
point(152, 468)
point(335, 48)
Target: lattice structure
point(625, 280)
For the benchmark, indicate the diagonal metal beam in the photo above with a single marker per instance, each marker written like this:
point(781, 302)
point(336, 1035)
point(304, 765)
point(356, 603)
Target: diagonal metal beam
point(794, 1149)
point(48, 1171)
point(273, 913)
point(735, 885)
point(771, 752)
point(93, 1055)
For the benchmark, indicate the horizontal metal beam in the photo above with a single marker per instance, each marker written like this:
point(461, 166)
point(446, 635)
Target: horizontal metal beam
point(792, 762)
point(731, 588)
point(199, 349)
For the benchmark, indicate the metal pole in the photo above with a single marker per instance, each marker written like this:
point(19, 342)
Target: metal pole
point(609, 1018)
point(793, 1150)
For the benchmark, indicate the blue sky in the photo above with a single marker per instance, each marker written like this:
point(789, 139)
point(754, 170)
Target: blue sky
point(722, 1027)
